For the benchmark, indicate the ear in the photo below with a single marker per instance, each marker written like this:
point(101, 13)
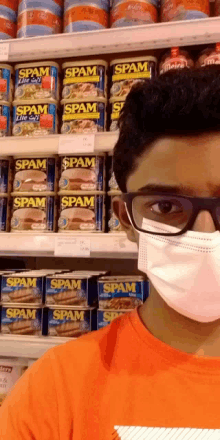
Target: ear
point(121, 214)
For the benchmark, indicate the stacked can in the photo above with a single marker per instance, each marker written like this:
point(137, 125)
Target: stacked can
point(6, 92)
point(133, 12)
point(82, 196)
point(209, 56)
point(5, 187)
point(85, 15)
point(171, 10)
point(38, 17)
point(124, 74)
point(175, 58)
point(8, 18)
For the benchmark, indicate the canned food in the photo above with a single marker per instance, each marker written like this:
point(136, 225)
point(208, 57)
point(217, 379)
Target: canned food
point(171, 10)
point(12, 4)
point(116, 105)
point(6, 85)
point(4, 175)
point(105, 317)
point(33, 213)
point(84, 116)
point(6, 9)
point(4, 208)
point(175, 58)
point(22, 288)
point(34, 174)
point(85, 17)
point(112, 183)
point(70, 322)
point(82, 212)
point(114, 224)
point(84, 79)
point(7, 27)
point(102, 4)
point(82, 173)
point(37, 81)
point(126, 72)
point(38, 118)
point(5, 120)
point(133, 13)
point(73, 289)
point(20, 319)
point(121, 292)
point(38, 22)
point(209, 56)
point(56, 7)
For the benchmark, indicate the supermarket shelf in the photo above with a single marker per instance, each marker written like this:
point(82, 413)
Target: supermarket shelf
point(22, 146)
point(28, 346)
point(153, 36)
point(114, 245)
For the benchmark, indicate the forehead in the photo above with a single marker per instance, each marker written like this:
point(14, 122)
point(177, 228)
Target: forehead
point(192, 161)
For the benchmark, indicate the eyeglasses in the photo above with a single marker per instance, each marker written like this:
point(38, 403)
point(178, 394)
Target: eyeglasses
point(146, 209)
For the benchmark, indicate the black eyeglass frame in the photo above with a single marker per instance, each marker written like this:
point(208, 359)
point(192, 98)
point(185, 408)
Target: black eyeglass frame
point(198, 204)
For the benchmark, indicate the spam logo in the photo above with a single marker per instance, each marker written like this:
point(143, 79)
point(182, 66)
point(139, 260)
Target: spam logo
point(30, 72)
point(81, 71)
point(82, 201)
point(135, 67)
point(66, 283)
point(119, 287)
point(69, 315)
point(21, 313)
point(109, 316)
point(25, 282)
point(29, 202)
point(35, 109)
point(83, 107)
point(30, 164)
point(116, 109)
point(78, 162)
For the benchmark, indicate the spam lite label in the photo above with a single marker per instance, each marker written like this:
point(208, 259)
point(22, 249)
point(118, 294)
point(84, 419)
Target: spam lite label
point(36, 82)
point(21, 320)
point(31, 119)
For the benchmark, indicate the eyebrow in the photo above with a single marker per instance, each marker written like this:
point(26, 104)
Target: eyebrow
point(174, 189)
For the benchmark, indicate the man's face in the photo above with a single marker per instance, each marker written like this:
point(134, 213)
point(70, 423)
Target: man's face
point(192, 162)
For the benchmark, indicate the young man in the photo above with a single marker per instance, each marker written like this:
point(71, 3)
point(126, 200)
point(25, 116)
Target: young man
point(154, 373)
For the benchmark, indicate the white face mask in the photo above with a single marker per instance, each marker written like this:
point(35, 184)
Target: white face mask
point(185, 270)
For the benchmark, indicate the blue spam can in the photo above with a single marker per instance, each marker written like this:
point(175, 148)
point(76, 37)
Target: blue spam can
point(4, 175)
point(105, 317)
point(5, 122)
point(35, 118)
point(17, 319)
point(4, 214)
point(37, 81)
point(6, 82)
point(33, 212)
point(54, 6)
point(83, 116)
point(122, 292)
point(70, 322)
point(34, 174)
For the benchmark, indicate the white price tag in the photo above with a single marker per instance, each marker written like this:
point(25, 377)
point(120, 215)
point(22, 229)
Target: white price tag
point(4, 51)
point(77, 143)
point(67, 246)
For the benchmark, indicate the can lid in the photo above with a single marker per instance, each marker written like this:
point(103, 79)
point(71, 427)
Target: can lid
point(31, 194)
point(21, 306)
point(51, 156)
point(36, 101)
point(38, 64)
point(6, 66)
point(4, 195)
point(80, 193)
point(117, 100)
point(133, 60)
point(85, 4)
point(8, 104)
point(82, 155)
point(122, 278)
point(114, 193)
point(115, 310)
point(54, 307)
point(92, 99)
point(85, 63)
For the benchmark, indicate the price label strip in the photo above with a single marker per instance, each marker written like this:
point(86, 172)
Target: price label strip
point(67, 246)
point(78, 143)
point(4, 51)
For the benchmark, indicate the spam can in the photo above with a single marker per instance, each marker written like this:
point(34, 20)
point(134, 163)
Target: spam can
point(33, 213)
point(9, 9)
point(70, 322)
point(82, 173)
point(38, 118)
point(4, 175)
point(54, 6)
point(5, 122)
point(6, 82)
point(38, 22)
point(84, 79)
point(103, 4)
point(17, 319)
point(85, 17)
point(71, 289)
point(133, 13)
point(121, 292)
point(128, 71)
point(37, 81)
point(105, 317)
point(114, 224)
point(82, 211)
point(116, 105)
point(22, 288)
point(171, 10)
point(4, 213)
point(34, 174)
point(7, 26)
point(83, 116)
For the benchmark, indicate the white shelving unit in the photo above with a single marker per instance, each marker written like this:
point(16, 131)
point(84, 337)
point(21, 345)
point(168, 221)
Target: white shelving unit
point(144, 37)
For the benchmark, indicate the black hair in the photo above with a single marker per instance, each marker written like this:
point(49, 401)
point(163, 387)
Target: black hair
point(181, 102)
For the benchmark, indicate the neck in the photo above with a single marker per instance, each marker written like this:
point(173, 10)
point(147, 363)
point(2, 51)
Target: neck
point(176, 330)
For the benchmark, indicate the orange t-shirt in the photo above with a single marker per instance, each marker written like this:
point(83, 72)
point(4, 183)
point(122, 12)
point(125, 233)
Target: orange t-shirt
point(117, 383)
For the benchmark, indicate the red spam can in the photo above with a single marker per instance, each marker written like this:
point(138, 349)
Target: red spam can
point(7, 28)
point(38, 22)
point(133, 12)
point(83, 17)
point(174, 10)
